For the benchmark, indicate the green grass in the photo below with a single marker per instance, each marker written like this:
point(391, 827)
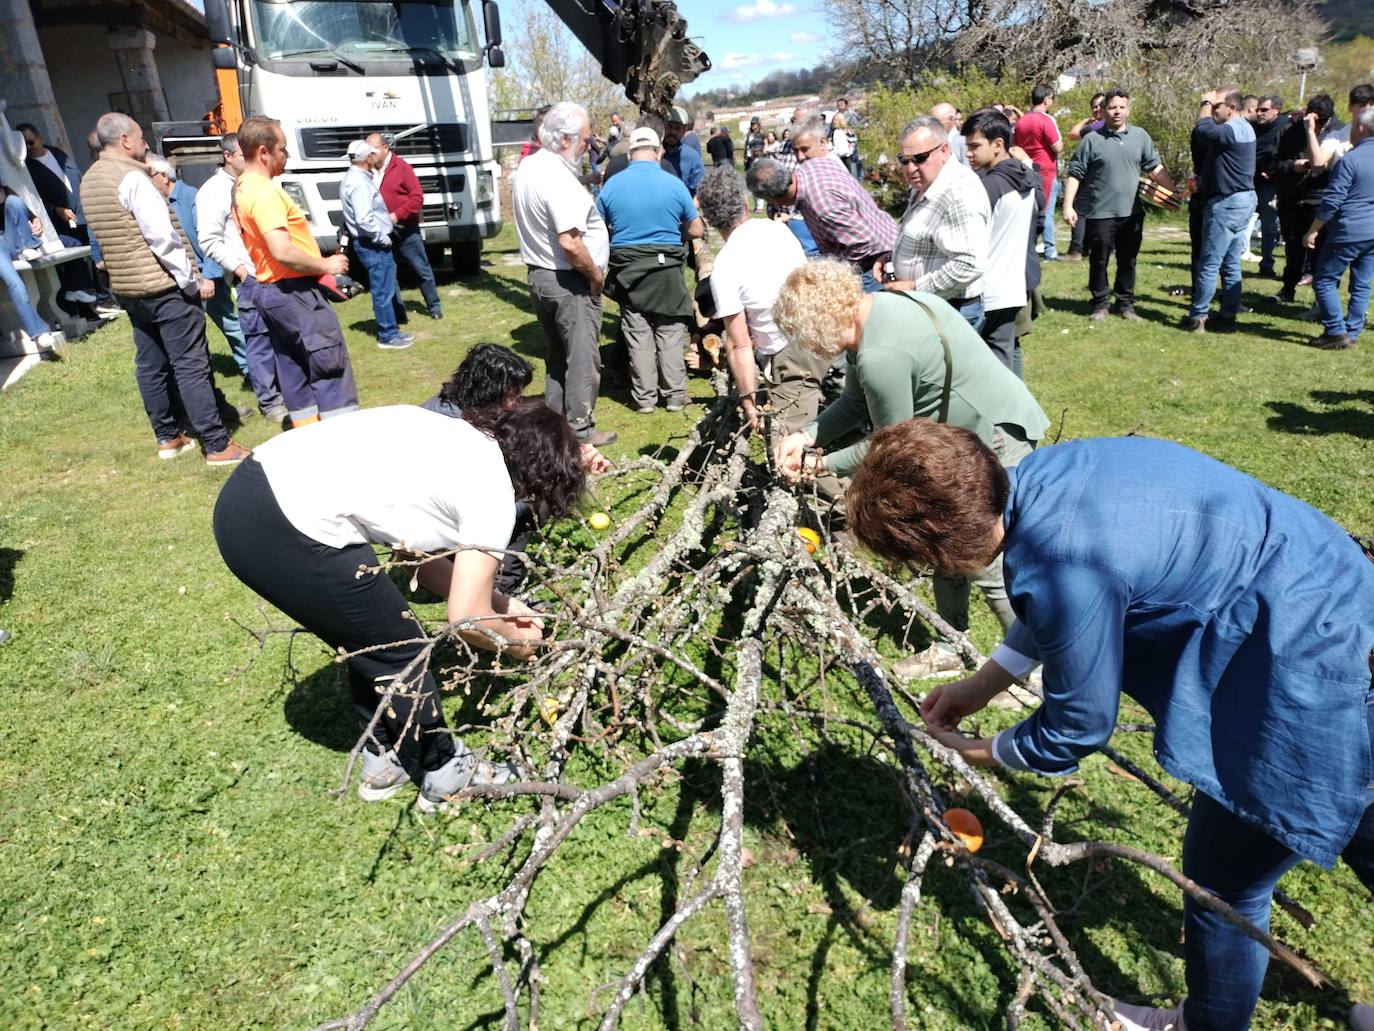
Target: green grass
point(173, 856)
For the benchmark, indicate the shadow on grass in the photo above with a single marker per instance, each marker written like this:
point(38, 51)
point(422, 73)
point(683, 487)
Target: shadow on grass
point(318, 708)
point(1350, 413)
point(9, 558)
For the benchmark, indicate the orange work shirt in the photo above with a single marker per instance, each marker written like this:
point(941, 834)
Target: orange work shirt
point(261, 206)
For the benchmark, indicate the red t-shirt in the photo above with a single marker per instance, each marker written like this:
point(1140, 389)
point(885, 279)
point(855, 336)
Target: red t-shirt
point(1036, 133)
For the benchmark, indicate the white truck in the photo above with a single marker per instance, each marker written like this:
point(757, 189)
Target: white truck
point(336, 70)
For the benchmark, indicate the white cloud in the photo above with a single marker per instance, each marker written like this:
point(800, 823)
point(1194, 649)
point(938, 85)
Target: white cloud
point(761, 9)
point(804, 37)
point(735, 62)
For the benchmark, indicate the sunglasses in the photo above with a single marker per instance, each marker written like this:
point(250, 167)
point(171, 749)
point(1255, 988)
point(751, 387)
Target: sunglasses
point(917, 159)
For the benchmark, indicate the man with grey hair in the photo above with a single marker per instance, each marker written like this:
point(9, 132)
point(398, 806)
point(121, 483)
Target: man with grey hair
point(565, 246)
point(948, 117)
point(368, 225)
point(1347, 215)
point(942, 240)
point(753, 263)
point(839, 213)
point(153, 275)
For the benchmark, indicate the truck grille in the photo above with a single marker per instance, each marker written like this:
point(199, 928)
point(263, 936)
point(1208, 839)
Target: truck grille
point(451, 185)
point(331, 141)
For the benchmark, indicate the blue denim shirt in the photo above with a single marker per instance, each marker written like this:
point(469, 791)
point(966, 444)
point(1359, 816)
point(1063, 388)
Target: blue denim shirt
point(1242, 619)
point(1348, 202)
point(690, 168)
point(183, 199)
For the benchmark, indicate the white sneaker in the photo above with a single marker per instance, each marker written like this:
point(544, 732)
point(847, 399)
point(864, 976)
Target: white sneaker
point(46, 341)
point(1148, 1018)
point(1250, 256)
point(462, 771)
point(30, 254)
point(935, 661)
point(383, 776)
point(79, 296)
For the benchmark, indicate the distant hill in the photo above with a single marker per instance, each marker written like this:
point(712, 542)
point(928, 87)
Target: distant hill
point(1349, 18)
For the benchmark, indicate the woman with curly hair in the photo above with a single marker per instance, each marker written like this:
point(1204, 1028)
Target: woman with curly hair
point(298, 520)
point(1237, 616)
point(909, 354)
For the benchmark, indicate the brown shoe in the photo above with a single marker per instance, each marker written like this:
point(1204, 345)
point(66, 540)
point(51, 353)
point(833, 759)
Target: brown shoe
point(1128, 313)
point(600, 438)
point(1327, 342)
point(232, 454)
point(1071, 256)
point(1098, 314)
point(178, 445)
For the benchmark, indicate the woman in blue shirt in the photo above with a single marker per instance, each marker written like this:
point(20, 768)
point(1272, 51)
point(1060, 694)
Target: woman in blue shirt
point(1240, 618)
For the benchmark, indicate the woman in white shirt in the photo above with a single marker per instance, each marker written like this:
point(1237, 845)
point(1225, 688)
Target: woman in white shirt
point(297, 521)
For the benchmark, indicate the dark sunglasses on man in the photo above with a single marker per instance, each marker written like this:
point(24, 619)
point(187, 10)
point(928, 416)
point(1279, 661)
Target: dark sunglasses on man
point(917, 159)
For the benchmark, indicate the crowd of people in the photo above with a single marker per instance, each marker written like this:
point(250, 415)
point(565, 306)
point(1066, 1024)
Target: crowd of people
point(1235, 615)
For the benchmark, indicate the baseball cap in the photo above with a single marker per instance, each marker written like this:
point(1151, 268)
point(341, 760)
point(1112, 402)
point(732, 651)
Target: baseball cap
point(677, 114)
point(360, 149)
point(643, 137)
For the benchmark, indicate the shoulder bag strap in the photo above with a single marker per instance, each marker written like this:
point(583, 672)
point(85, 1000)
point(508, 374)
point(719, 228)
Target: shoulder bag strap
point(949, 357)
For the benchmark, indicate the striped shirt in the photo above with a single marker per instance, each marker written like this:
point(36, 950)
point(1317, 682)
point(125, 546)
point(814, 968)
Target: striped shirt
point(841, 215)
point(942, 245)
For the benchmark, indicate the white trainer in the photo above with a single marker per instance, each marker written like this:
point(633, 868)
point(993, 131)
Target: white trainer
point(383, 776)
point(1148, 1018)
point(463, 770)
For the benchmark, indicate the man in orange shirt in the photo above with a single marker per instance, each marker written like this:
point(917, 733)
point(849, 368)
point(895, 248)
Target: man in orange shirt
point(313, 367)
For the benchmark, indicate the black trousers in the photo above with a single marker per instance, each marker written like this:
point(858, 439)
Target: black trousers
point(172, 366)
point(1121, 236)
point(1294, 220)
point(316, 585)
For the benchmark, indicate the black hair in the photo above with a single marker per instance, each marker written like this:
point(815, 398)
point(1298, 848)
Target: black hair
point(488, 377)
point(990, 124)
point(1275, 101)
point(1040, 94)
point(1095, 98)
point(1362, 94)
point(29, 126)
point(1322, 106)
point(1112, 94)
point(543, 455)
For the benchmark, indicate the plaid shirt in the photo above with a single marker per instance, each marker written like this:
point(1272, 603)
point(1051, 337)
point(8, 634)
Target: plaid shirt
point(840, 214)
point(942, 245)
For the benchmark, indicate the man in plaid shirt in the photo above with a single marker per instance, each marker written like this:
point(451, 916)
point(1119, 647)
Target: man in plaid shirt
point(942, 244)
point(841, 215)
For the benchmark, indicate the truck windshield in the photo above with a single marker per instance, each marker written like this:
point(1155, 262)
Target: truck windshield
point(364, 29)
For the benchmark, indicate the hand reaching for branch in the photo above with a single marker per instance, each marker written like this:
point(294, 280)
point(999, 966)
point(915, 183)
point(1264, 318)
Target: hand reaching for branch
point(789, 455)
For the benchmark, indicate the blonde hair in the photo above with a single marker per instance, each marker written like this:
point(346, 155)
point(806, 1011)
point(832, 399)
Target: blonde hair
point(817, 303)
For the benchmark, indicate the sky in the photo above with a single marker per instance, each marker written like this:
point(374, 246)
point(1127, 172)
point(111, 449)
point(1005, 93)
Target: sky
point(746, 39)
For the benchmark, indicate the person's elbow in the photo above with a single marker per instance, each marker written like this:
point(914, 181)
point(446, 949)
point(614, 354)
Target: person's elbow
point(695, 229)
point(570, 244)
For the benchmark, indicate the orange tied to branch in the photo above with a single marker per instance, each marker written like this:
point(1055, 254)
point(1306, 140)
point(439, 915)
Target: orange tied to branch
point(965, 826)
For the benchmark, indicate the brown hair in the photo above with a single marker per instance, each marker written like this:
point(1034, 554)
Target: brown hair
point(258, 131)
point(927, 495)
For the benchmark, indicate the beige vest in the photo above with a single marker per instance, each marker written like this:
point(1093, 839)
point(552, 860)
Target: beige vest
point(133, 269)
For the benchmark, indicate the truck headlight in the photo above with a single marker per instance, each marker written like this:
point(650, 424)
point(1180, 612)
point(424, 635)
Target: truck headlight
point(297, 194)
point(486, 188)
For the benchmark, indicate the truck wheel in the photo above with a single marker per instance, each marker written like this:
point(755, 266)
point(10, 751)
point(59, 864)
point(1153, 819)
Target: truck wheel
point(467, 258)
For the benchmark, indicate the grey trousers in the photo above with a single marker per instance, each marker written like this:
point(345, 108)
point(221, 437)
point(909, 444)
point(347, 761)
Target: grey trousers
point(571, 320)
point(794, 392)
point(952, 592)
point(657, 366)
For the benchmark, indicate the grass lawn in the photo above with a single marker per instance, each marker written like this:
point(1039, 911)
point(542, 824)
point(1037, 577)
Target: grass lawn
point(176, 859)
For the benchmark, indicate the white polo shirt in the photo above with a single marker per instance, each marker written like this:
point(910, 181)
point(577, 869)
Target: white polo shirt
point(748, 273)
point(399, 476)
point(548, 200)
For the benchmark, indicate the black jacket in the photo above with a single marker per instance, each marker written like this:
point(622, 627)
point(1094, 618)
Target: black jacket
point(54, 192)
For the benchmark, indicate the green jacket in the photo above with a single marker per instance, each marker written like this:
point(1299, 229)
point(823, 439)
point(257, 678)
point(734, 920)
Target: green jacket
point(898, 373)
point(649, 278)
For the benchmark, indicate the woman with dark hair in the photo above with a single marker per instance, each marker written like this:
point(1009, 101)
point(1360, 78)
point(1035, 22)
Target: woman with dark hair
point(299, 519)
point(490, 376)
point(1239, 617)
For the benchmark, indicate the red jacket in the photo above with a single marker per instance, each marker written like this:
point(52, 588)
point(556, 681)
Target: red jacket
point(401, 190)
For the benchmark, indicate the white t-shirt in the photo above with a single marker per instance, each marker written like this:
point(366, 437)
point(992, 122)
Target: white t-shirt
point(748, 273)
point(549, 200)
point(398, 476)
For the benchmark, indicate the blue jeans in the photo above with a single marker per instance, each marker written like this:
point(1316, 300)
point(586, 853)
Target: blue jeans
point(1225, 225)
point(220, 308)
point(1047, 224)
point(19, 294)
point(381, 281)
point(972, 311)
point(17, 235)
point(1332, 261)
point(410, 245)
point(1241, 864)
